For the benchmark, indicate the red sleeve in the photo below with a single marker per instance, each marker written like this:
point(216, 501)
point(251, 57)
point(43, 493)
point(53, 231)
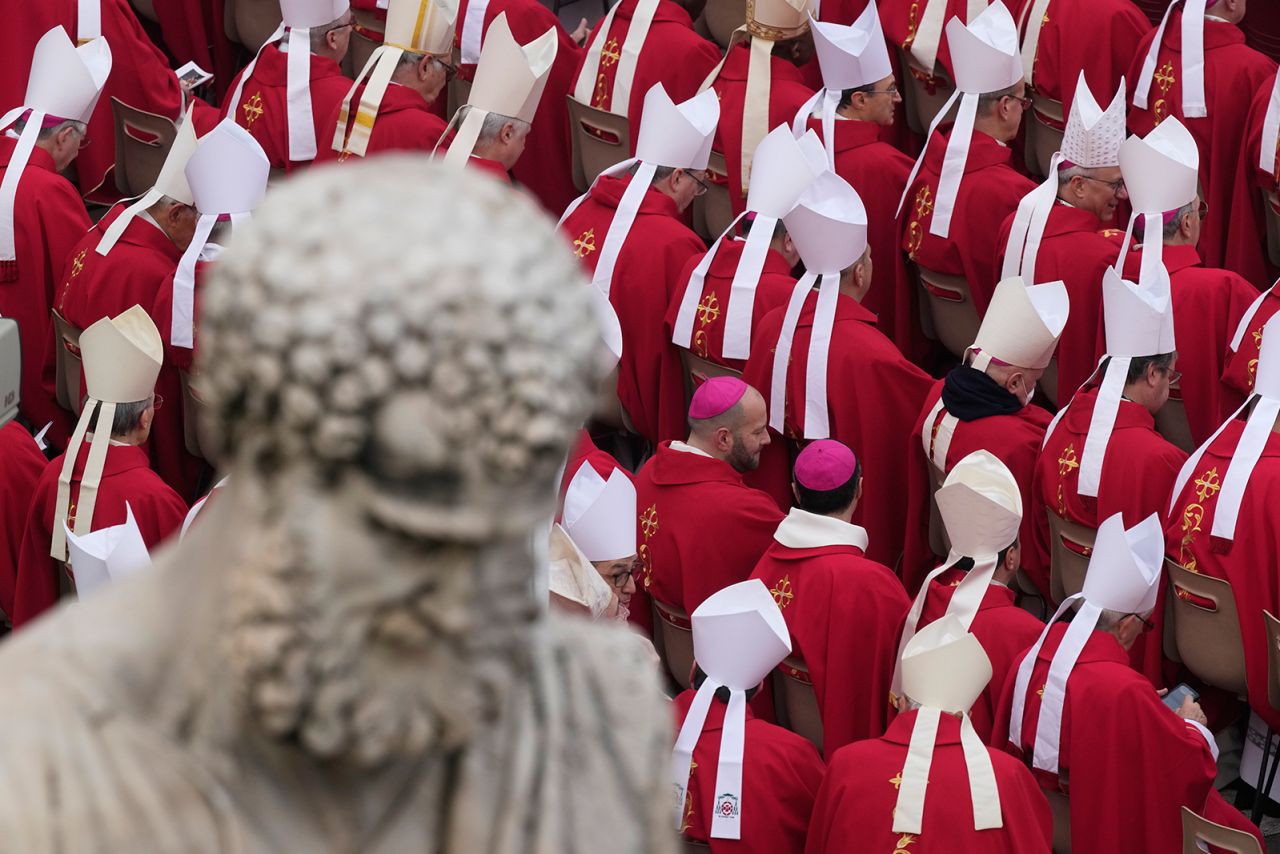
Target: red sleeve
point(36, 585)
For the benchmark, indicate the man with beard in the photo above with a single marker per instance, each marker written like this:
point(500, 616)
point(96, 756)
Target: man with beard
point(348, 653)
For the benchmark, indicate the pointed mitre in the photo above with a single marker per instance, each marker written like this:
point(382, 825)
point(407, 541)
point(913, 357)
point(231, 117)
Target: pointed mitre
point(1124, 569)
point(1022, 324)
point(854, 55)
point(784, 169)
point(985, 52)
point(980, 506)
point(65, 80)
point(107, 554)
point(1093, 135)
point(421, 26)
point(1138, 318)
point(228, 171)
point(122, 357)
point(677, 135)
point(510, 76)
point(739, 635)
point(828, 225)
point(1161, 169)
point(944, 667)
point(600, 515)
point(305, 14)
point(777, 20)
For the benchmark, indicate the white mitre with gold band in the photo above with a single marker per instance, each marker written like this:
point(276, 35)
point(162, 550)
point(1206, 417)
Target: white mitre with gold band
point(509, 81)
point(784, 168)
point(739, 635)
point(981, 508)
point(944, 669)
point(298, 17)
point(986, 59)
point(1092, 140)
point(414, 26)
point(121, 358)
point(1161, 173)
point(1191, 80)
point(1123, 576)
point(768, 22)
point(63, 85)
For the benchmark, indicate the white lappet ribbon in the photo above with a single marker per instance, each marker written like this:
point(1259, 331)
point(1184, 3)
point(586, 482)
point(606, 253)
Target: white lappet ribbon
point(637, 31)
point(623, 218)
point(1271, 131)
point(941, 440)
point(301, 122)
point(1027, 231)
point(816, 413)
point(824, 104)
point(1034, 21)
point(1193, 101)
point(908, 813)
point(473, 31)
point(182, 325)
point(13, 175)
point(88, 21)
point(726, 822)
point(101, 415)
point(1102, 424)
point(1247, 319)
point(953, 163)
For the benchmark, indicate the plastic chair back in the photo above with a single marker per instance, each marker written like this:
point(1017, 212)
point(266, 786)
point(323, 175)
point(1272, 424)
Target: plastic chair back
point(67, 364)
point(794, 700)
point(952, 314)
point(713, 210)
point(1070, 547)
point(1206, 628)
point(251, 22)
point(143, 141)
point(1060, 807)
point(674, 641)
point(722, 17)
point(600, 139)
point(1171, 421)
point(1044, 133)
point(1196, 829)
point(924, 93)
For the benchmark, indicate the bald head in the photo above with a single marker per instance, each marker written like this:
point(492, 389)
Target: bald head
point(737, 435)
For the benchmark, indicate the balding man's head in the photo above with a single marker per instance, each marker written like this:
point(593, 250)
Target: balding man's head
point(737, 434)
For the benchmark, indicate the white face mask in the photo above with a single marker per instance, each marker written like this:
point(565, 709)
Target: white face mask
point(1030, 396)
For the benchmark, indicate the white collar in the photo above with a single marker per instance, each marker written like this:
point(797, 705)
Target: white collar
point(677, 445)
point(804, 530)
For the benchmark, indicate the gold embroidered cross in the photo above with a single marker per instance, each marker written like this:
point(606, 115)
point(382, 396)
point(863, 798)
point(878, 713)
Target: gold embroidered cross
point(77, 264)
point(252, 109)
point(1040, 692)
point(1068, 461)
point(896, 780)
point(912, 23)
point(649, 521)
point(903, 841)
point(708, 309)
point(1257, 333)
point(781, 592)
point(1165, 77)
point(610, 54)
point(1208, 484)
point(924, 202)
point(585, 244)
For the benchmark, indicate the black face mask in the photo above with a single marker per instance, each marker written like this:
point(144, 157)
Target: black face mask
point(969, 394)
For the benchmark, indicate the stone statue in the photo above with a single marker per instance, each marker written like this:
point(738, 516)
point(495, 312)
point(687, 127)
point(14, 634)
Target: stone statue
point(347, 652)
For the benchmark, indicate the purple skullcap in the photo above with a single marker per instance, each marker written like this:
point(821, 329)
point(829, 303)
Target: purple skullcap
point(825, 465)
point(715, 397)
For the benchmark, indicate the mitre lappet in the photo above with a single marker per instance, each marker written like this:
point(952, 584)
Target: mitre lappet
point(509, 81)
point(739, 636)
point(416, 26)
point(227, 174)
point(828, 226)
point(121, 360)
point(1191, 78)
point(1092, 140)
point(619, 97)
point(784, 169)
point(981, 509)
point(1161, 172)
point(848, 57)
point(1270, 131)
point(64, 84)
point(1124, 577)
point(298, 17)
point(672, 135)
point(986, 59)
point(944, 669)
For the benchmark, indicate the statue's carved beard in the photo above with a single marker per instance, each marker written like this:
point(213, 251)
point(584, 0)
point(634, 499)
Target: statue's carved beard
point(362, 682)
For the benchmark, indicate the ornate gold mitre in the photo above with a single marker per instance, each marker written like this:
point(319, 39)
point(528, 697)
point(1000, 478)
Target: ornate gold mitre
point(777, 20)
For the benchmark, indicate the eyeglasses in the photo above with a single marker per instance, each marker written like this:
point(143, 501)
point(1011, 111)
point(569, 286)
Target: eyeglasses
point(702, 185)
point(450, 71)
point(1147, 624)
point(622, 579)
point(1025, 101)
point(892, 90)
point(1173, 375)
point(1116, 186)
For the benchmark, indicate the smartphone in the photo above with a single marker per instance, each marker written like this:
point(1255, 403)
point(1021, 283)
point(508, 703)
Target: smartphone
point(1176, 696)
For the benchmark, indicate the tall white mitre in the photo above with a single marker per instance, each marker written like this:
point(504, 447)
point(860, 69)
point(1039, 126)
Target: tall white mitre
point(121, 359)
point(298, 18)
point(414, 26)
point(107, 554)
point(739, 635)
point(1022, 324)
point(600, 515)
point(981, 507)
point(1191, 77)
point(227, 174)
point(1265, 400)
point(673, 135)
point(509, 81)
point(64, 85)
point(849, 57)
point(985, 56)
point(829, 229)
point(1161, 171)
point(784, 169)
point(1092, 140)
point(1123, 576)
point(944, 669)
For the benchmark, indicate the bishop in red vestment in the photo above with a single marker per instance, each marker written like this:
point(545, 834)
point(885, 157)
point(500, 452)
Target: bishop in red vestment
point(1257, 175)
point(646, 278)
point(21, 465)
point(1241, 366)
point(901, 22)
point(1233, 72)
point(844, 612)
point(405, 121)
point(1097, 37)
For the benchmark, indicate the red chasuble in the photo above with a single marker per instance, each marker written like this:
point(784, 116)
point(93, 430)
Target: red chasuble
point(1137, 476)
point(700, 528)
point(1098, 37)
point(546, 167)
point(1242, 365)
point(125, 478)
point(844, 613)
point(854, 810)
point(140, 76)
point(773, 290)
point(405, 122)
point(672, 54)
point(645, 277)
point(264, 108)
point(21, 465)
point(1004, 630)
point(1074, 250)
point(1208, 304)
point(781, 772)
point(194, 31)
point(989, 194)
point(1232, 74)
point(1246, 251)
point(787, 94)
point(873, 396)
point(900, 20)
point(1128, 763)
point(878, 171)
point(48, 219)
point(1257, 541)
point(1013, 439)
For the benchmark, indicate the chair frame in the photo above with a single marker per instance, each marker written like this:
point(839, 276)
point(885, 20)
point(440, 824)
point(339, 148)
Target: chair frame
point(1067, 565)
point(1171, 421)
point(673, 639)
point(795, 702)
point(1044, 133)
point(138, 160)
point(1208, 641)
point(713, 210)
point(921, 106)
point(599, 140)
point(952, 314)
point(68, 367)
point(698, 370)
point(1196, 827)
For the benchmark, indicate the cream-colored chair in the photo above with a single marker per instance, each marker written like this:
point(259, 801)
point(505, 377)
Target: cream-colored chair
point(1271, 204)
point(1206, 628)
point(192, 406)
point(1060, 808)
point(143, 141)
point(1070, 547)
point(713, 211)
point(250, 22)
point(924, 94)
point(795, 702)
point(698, 370)
point(1044, 133)
point(1196, 829)
point(953, 317)
point(1171, 421)
point(362, 45)
point(459, 88)
point(673, 638)
point(722, 17)
point(66, 364)
point(599, 139)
